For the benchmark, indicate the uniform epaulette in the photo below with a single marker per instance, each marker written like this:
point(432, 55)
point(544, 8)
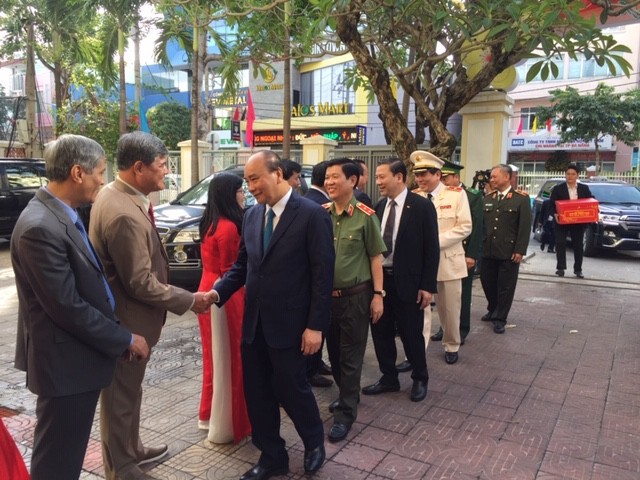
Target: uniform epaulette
point(524, 194)
point(327, 205)
point(455, 189)
point(368, 210)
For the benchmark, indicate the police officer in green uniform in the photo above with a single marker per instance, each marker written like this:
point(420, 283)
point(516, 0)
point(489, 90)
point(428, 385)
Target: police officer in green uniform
point(451, 178)
point(357, 295)
point(507, 225)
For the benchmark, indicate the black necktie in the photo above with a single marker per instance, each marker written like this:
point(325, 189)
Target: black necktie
point(268, 229)
point(388, 228)
point(429, 196)
point(500, 197)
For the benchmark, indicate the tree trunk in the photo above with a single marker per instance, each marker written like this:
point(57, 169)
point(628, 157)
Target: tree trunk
point(395, 124)
point(122, 119)
point(32, 148)
point(286, 114)
point(136, 68)
point(195, 102)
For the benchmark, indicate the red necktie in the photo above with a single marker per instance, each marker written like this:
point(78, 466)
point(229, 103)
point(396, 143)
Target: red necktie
point(153, 219)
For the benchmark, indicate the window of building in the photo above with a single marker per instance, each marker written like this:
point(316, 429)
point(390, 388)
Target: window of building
point(326, 85)
point(528, 114)
point(583, 68)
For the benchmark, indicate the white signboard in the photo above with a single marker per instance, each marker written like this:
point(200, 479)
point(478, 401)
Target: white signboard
point(553, 142)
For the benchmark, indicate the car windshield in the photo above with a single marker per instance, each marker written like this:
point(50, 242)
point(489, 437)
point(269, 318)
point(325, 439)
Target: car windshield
point(616, 193)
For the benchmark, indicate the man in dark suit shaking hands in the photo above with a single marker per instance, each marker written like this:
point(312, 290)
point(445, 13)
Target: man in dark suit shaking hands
point(410, 268)
point(569, 190)
point(68, 334)
point(286, 263)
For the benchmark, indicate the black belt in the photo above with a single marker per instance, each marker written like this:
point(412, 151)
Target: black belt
point(387, 271)
point(347, 292)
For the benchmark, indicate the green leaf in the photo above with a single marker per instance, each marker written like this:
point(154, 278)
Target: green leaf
point(534, 71)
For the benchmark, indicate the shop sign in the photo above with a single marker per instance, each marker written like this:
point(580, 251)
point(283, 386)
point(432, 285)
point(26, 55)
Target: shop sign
point(553, 142)
point(325, 108)
point(342, 135)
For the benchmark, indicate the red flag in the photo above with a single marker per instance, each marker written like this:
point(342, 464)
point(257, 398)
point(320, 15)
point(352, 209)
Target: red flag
point(251, 116)
point(519, 127)
point(548, 124)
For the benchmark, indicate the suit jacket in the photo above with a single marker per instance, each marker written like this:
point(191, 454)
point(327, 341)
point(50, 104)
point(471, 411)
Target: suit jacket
point(454, 225)
point(68, 335)
point(135, 262)
point(288, 287)
point(362, 197)
point(506, 225)
point(415, 251)
point(561, 192)
point(473, 243)
point(316, 196)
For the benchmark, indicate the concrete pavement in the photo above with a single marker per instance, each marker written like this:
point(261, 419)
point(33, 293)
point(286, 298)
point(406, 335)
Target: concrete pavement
point(555, 397)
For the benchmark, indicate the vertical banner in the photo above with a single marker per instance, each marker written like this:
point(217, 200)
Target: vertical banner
point(235, 126)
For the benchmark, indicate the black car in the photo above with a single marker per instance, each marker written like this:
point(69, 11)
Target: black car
point(618, 227)
point(177, 223)
point(20, 178)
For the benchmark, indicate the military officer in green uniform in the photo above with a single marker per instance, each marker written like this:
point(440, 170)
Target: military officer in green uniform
point(451, 178)
point(357, 295)
point(506, 229)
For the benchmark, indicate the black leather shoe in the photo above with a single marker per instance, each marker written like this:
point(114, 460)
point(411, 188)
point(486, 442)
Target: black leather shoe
point(379, 387)
point(560, 273)
point(486, 317)
point(320, 381)
point(404, 367)
point(259, 472)
point(338, 432)
point(551, 250)
point(313, 459)
point(578, 274)
point(418, 390)
point(333, 405)
point(436, 337)
point(324, 369)
point(498, 328)
point(451, 357)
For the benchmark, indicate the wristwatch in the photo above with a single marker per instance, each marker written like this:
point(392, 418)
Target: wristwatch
point(382, 293)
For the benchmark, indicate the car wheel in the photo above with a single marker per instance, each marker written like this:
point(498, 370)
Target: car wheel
point(589, 239)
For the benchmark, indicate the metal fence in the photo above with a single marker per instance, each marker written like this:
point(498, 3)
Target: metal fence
point(531, 182)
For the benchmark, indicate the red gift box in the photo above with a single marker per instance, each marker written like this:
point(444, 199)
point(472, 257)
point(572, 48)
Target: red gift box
point(583, 210)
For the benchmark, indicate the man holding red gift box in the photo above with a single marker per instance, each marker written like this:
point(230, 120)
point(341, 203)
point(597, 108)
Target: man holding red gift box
point(569, 190)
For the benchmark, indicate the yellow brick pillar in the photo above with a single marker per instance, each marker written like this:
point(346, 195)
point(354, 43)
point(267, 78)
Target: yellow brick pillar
point(316, 149)
point(185, 161)
point(485, 132)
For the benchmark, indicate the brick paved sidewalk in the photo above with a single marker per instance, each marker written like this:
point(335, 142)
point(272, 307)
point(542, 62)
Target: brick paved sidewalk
point(556, 397)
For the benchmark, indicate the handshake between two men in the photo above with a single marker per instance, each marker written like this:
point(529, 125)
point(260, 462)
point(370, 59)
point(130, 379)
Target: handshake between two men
point(139, 349)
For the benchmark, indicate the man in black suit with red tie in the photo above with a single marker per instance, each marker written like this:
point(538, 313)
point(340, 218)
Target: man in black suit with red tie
point(286, 262)
point(569, 190)
point(410, 267)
